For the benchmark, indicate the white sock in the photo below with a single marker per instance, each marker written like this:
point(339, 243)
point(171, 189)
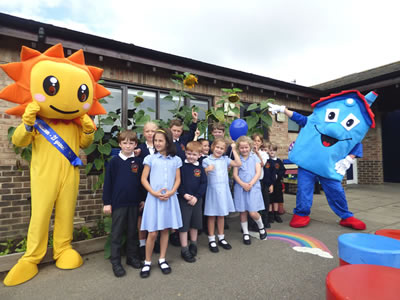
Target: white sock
point(146, 266)
point(161, 261)
point(245, 227)
point(221, 238)
point(260, 225)
point(142, 243)
point(211, 238)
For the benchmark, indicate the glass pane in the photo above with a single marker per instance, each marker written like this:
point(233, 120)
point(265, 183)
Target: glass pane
point(292, 126)
point(148, 103)
point(166, 105)
point(114, 104)
point(203, 105)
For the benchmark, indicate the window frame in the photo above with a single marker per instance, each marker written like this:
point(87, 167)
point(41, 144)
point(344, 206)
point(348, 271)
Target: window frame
point(158, 91)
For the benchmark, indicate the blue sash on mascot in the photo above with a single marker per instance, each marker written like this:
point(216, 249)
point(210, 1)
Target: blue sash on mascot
point(57, 142)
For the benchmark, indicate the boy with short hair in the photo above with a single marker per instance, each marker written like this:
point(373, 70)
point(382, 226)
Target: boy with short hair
point(277, 195)
point(218, 131)
point(205, 149)
point(176, 127)
point(190, 194)
point(122, 195)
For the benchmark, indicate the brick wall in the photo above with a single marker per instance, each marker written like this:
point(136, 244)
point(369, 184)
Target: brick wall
point(370, 166)
point(15, 206)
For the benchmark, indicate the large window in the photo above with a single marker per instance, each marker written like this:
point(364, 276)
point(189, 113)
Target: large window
point(122, 102)
point(148, 105)
point(114, 103)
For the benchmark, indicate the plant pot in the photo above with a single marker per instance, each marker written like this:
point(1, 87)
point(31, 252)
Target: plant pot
point(83, 247)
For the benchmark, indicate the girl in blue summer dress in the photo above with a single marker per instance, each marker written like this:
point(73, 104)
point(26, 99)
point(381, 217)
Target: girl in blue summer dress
point(161, 211)
point(219, 201)
point(247, 189)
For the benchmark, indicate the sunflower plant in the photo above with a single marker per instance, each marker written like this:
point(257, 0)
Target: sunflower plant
point(180, 111)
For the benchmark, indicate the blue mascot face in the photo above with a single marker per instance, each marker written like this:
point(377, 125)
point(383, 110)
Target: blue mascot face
point(336, 126)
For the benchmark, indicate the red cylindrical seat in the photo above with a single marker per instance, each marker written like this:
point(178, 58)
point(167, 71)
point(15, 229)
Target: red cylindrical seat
point(363, 282)
point(392, 233)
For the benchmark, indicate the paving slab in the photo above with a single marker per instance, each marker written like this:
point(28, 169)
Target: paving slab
point(269, 269)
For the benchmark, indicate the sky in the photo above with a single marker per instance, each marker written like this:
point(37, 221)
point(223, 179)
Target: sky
point(307, 41)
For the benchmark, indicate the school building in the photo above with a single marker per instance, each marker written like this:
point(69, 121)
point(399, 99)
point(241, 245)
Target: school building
point(129, 69)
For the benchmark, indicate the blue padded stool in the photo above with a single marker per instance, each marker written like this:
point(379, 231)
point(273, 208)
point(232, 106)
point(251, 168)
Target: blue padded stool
point(365, 248)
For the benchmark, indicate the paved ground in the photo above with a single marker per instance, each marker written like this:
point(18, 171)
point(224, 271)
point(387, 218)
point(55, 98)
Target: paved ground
point(265, 270)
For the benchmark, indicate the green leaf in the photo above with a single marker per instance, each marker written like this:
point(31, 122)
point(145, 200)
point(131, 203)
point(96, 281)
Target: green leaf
point(10, 133)
point(235, 110)
point(113, 143)
point(150, 109)
point(98, 135)
point(26, 154)
point(105, 149)
point(107, 247)
point(88, 168)
point(237, 90)
point(107, 121)
point(251, 121)
point(186, 74)
point(220, 102)
point(99, 164)
point(266, 118)
point(227, 91)
point(140, 93)
point(219, 114)
point(252, 106)
point(178, 76)
point(168, 98)
point(176, 81)
point(90, 149)
point(263, 104)
point(114, 115)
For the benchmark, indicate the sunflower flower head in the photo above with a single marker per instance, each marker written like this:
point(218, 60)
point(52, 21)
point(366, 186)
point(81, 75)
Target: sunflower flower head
point(233, 98)
point(139, 99)
point(190, 81)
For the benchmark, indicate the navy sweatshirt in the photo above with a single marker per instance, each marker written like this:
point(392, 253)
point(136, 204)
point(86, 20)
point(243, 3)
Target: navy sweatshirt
point(193, 181)
point(144, 151)
point(183, 140)
point(122, 182)
point(269, 174)
point(279, 168)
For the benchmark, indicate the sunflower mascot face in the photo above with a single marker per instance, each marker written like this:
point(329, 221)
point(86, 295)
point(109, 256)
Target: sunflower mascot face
point(56, 95)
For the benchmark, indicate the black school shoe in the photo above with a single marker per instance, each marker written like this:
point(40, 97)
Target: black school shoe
point(263, 236)
point(193, 249)
point(187, 256)
point(174, 239)
point(277, 218)
point(118, 270)
point(271, 218)
point(145, 274)
point(246, 239)
point(166, 270)
point(134, 262)
point(212, 248)
point(225, 245)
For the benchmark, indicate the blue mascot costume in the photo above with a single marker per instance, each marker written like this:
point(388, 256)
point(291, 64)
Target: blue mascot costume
point(328, 143)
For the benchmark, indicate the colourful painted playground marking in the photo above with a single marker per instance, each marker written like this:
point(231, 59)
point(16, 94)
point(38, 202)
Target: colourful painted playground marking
point(300, 242)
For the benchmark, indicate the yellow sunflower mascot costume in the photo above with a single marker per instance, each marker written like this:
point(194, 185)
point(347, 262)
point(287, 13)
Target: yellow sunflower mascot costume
point(56, 97)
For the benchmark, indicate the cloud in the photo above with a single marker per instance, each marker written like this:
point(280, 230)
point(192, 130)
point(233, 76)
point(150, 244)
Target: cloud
point(310, 41)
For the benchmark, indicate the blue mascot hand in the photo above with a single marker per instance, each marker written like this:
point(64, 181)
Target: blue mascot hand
point(238, 128)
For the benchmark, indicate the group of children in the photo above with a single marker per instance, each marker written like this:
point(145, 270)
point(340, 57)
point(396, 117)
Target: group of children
point(171, 181)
